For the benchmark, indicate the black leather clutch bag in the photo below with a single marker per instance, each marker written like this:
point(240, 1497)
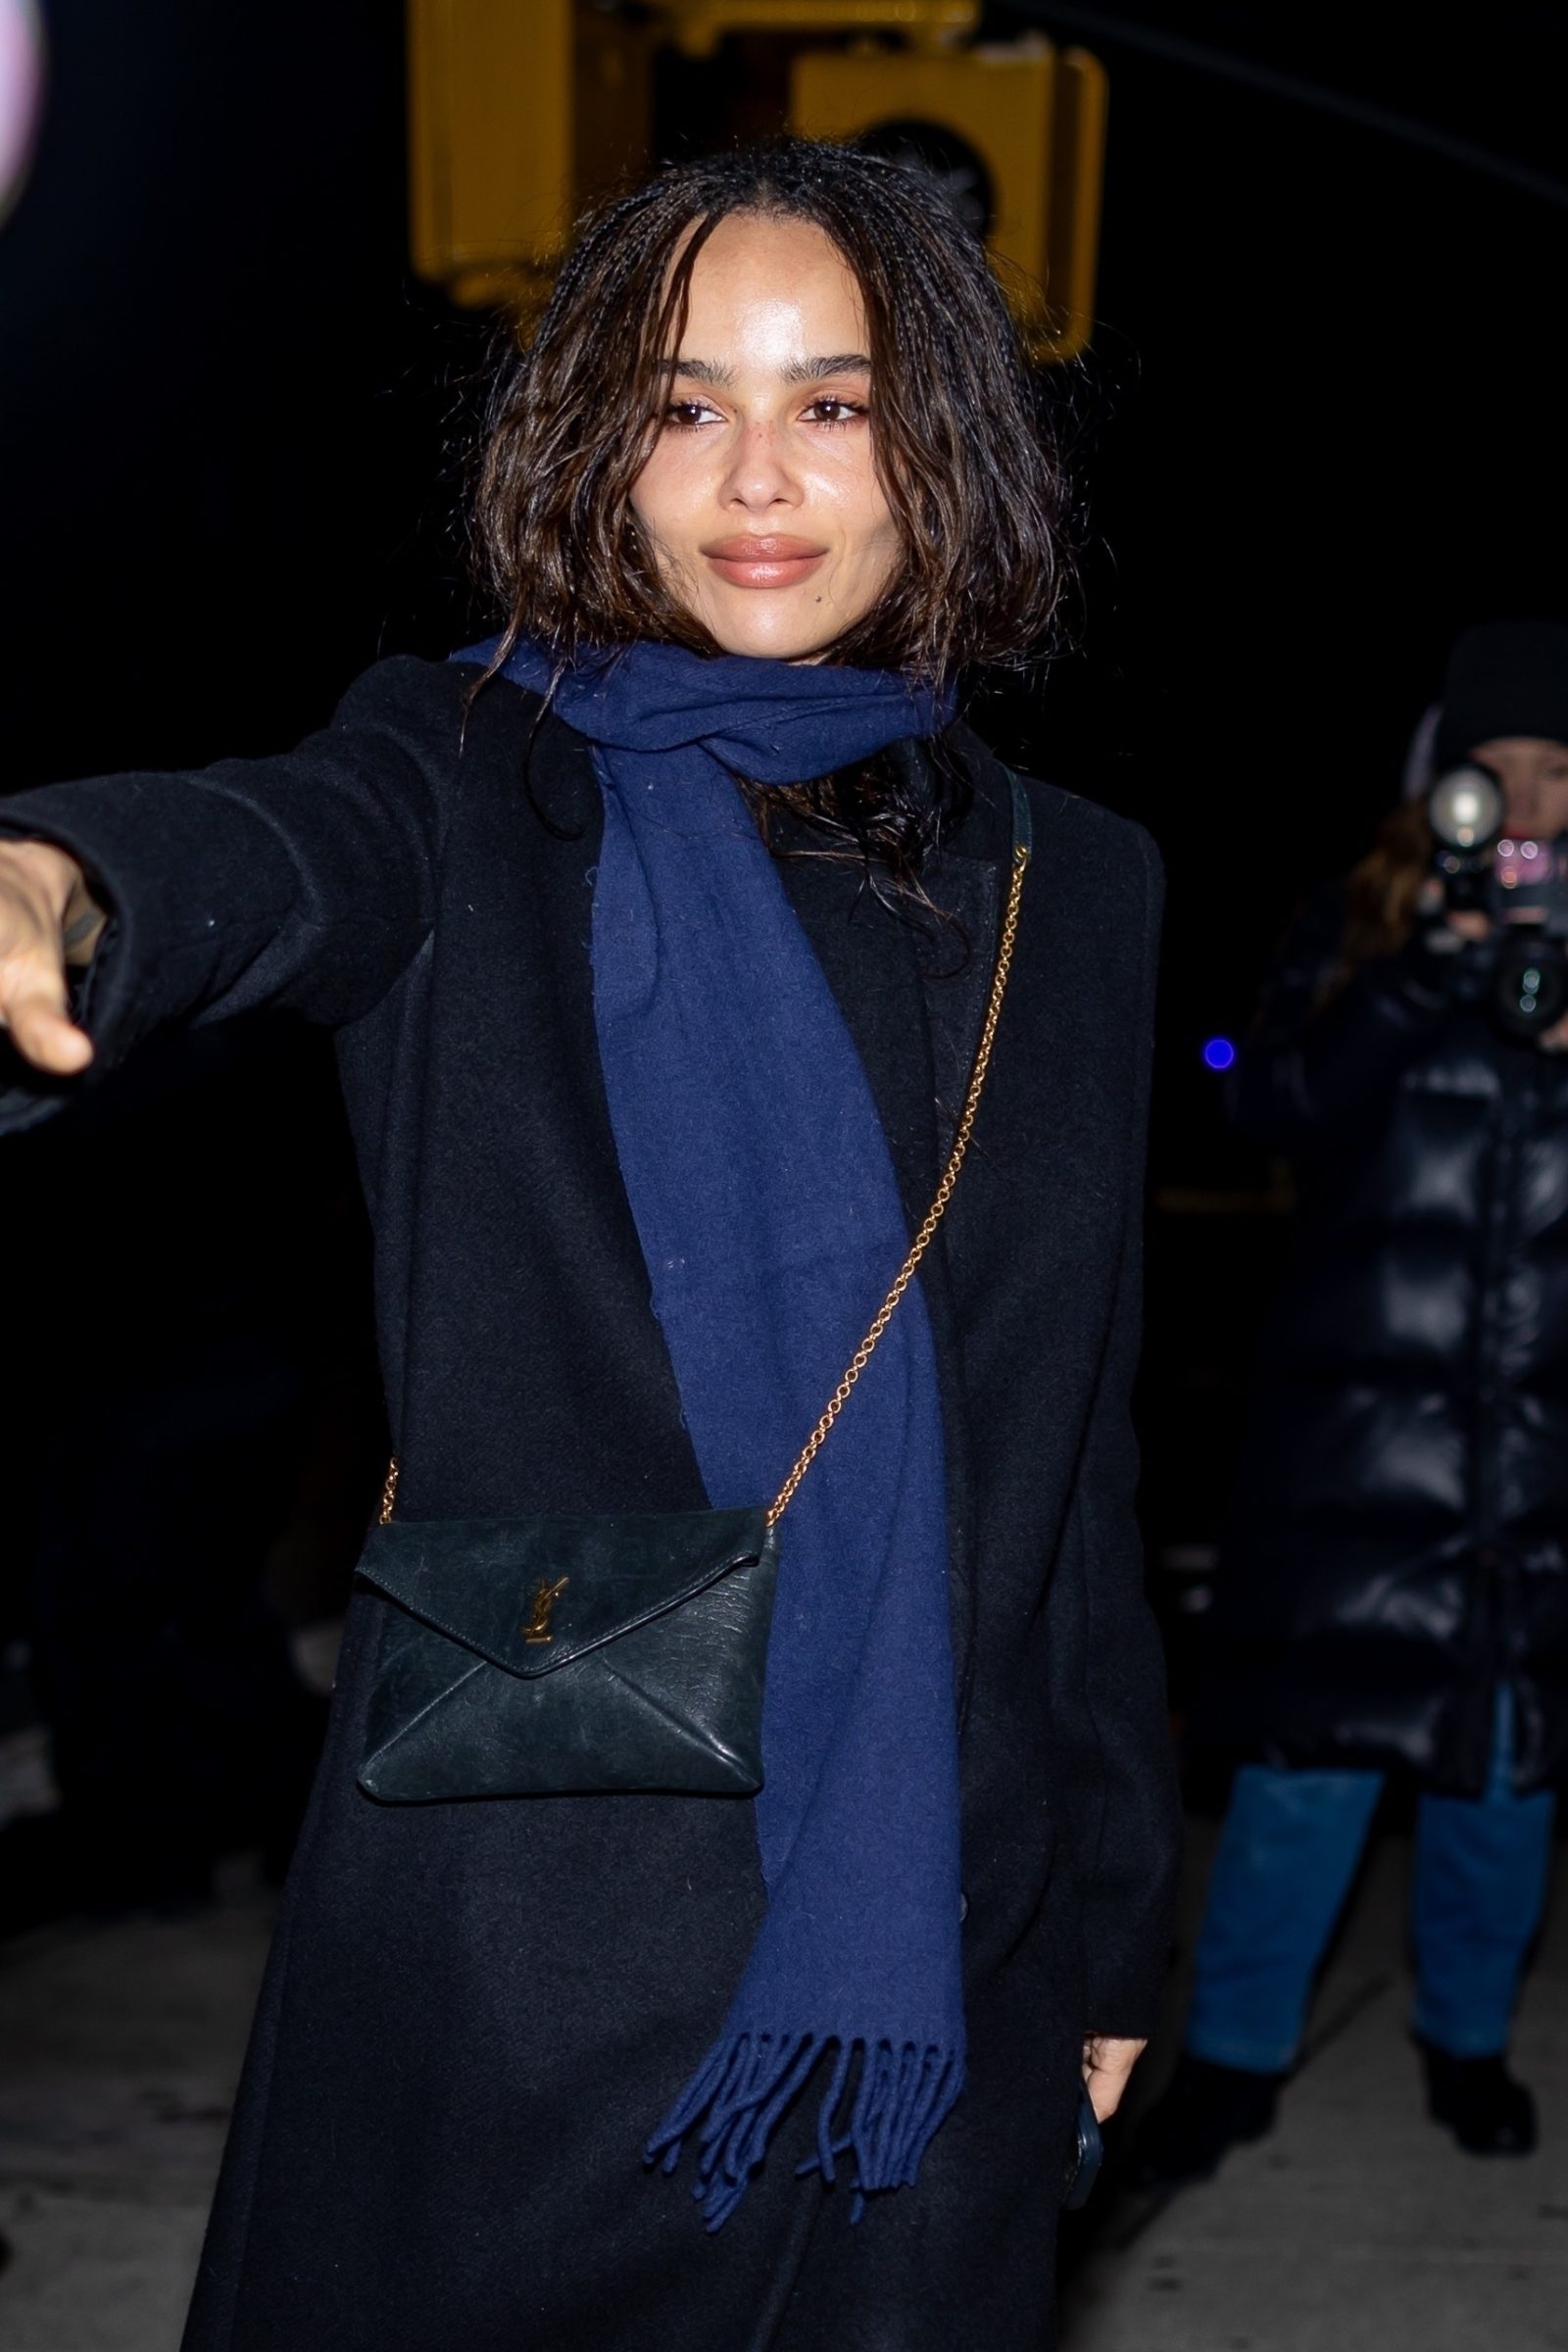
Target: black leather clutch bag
point(535, 1655)
point(531, 1658)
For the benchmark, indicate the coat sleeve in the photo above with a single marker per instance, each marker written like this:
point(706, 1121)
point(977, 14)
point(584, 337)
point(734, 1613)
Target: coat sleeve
point(305, 882)
point(1113, 1736)
point(1315, 1070)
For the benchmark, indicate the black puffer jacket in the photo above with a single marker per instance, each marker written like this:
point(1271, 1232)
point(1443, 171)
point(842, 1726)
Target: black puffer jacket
point(1396, 1544)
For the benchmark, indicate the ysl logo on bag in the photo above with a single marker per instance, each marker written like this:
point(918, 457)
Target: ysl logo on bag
point(545, 1598)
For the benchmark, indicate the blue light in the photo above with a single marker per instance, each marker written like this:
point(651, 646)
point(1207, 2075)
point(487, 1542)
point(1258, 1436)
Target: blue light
point(1219, 1053)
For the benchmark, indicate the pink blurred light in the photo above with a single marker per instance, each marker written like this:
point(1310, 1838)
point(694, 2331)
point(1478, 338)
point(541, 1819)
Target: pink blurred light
point(21, 90)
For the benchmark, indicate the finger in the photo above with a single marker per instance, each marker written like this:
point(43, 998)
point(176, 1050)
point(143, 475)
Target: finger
point(42, 1031)
point(1108, 2062)
point(1105, 2093)
point(1112, 2050)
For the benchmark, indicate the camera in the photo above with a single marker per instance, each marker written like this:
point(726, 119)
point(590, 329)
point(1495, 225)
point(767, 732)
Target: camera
point(1520, 885)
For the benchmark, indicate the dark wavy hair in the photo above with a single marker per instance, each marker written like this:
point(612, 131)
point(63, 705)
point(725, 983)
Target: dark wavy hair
point(1383, 891)
point(960, 446)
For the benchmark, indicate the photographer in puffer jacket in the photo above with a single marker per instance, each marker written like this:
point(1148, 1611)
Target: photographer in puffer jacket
point(1395, 1587)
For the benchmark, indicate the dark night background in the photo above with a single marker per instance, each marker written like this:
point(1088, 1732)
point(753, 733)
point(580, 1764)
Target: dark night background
point(1319, 430)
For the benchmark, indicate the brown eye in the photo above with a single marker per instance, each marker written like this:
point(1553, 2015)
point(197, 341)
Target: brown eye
point(831, 409)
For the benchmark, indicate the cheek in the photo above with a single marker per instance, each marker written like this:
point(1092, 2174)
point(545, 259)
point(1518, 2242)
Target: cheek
point(883, 542)
point(663, 494)
point(870, 533)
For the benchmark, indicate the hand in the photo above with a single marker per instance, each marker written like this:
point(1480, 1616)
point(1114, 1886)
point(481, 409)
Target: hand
point(48, 918)
point(1109, 2061)
point(1468, 922)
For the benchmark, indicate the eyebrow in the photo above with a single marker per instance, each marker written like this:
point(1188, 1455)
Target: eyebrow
point(798, 371)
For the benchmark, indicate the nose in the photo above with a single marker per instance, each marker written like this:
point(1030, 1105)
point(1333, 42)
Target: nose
point(758, 475)
point(1523, 805)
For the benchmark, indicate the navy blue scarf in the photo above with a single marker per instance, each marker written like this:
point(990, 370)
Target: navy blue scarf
point(770, 1222)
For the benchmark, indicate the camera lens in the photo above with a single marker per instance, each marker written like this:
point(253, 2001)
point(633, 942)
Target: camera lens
point(1531, 988)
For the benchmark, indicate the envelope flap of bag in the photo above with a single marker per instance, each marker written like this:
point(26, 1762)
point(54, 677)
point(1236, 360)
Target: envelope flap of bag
point(531, 1594)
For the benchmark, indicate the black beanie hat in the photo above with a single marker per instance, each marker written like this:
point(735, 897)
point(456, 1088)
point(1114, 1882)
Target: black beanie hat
point(1508, 678)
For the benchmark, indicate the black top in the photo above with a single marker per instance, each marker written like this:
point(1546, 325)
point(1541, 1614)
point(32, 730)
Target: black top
point(1399, 1542)
point(474, 2013)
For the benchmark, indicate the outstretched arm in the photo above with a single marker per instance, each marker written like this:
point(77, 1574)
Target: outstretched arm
point(305, 882)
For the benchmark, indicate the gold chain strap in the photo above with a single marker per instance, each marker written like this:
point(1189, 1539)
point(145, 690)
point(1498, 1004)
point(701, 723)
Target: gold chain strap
point(923, 1238)
point(934, 1215)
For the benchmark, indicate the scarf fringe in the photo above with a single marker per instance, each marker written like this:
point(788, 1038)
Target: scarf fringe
point(902, 2097)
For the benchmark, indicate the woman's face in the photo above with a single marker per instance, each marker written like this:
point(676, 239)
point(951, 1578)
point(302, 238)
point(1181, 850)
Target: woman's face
point(1534, 775)
point(759, 498)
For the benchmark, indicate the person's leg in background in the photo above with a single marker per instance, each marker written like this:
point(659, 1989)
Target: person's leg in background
point(1288, 1852)
point(1482, 1866)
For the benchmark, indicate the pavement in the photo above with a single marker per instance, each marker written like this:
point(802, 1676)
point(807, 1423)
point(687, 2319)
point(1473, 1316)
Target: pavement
point(119, 2045)
point(1356, 2225)
point(1357, 2228)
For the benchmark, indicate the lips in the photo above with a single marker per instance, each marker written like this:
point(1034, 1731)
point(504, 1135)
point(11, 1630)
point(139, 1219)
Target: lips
point(766, 560)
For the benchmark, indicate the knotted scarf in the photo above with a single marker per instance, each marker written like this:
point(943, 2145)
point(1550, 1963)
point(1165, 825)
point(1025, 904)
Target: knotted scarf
point(770, 1222)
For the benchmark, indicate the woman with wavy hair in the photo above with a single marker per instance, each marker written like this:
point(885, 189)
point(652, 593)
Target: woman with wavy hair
point(676, 940)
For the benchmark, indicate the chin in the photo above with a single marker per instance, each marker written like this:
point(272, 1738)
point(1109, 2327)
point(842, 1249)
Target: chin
point(773, 637)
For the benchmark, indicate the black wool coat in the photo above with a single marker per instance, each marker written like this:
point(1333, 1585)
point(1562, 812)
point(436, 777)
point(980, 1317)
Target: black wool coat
point(475, 2012)
point(1398, 1539)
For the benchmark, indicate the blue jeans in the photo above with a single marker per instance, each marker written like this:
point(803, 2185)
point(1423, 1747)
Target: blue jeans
point(1287, 1855)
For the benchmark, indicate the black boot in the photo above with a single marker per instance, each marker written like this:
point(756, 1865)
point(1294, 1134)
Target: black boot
point(1206, 2110)
point(1487, 2112)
